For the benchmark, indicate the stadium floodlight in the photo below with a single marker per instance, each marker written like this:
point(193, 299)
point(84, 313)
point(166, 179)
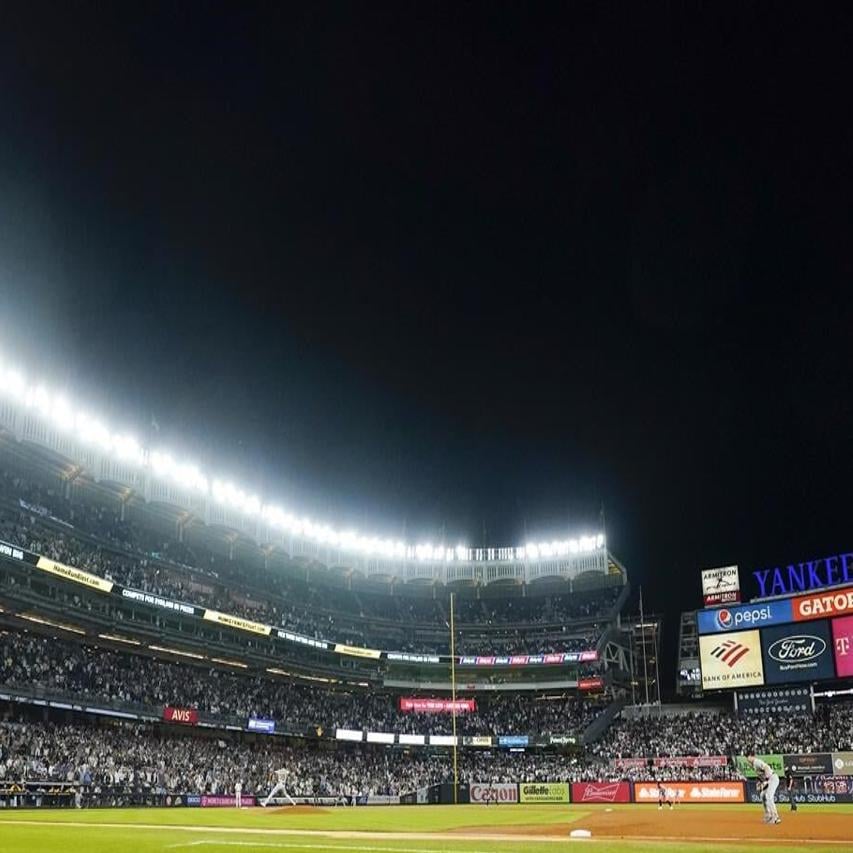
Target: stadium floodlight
point(90, 431)
point(14, 384)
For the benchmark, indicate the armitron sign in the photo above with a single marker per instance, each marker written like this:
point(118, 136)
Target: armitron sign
point(720, 586)
point(187, 716)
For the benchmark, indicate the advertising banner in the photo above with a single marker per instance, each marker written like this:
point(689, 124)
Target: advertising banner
point(601, 792)
point(513, 740)
point(672, 761)
point(775, 700)
point(544, 792)
point(436, 706)
point(76, 575)
point(720, 586)
point(773, 759)
point(842, 763)
point(357, 651)
point(257, 725)
point(477, 740)
point(493, 792)
point(722, 619)
point(691, 792)
point(207, 801)
point(14, 552)
point(562, 740)
point(796, 653)
point(842, 642)
point(407, 657)
point(731, 660)
point(186, 716)
point(837, 602)
point(593, 683)
point(551, 659)
point(157, 601)
point(237, 622)
point(813, 789)
point(311, 642)
point(809, 764)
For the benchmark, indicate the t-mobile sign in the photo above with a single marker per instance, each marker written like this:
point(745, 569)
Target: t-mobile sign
point(842, 641)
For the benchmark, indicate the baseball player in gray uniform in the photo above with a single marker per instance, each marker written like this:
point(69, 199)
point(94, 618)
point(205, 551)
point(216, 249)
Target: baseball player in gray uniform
point(768, 782)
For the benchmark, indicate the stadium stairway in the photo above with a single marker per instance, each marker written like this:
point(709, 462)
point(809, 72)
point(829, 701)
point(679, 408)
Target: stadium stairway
point(602, 722)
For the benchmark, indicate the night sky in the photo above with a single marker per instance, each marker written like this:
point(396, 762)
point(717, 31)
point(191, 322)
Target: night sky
point(447, 270)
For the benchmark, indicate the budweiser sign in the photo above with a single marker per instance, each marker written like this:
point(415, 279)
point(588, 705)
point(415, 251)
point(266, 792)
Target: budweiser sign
point(187, 716)
point(437, 706)
point(601, 792)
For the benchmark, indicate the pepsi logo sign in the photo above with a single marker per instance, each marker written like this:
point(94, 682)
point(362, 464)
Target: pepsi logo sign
point(724, 618)
point(799, 648)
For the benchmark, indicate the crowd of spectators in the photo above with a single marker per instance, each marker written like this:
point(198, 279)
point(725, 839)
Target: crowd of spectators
point(66, 669)
point(137, 757)
point(830, 729)
point(97, 540)
point(151, 758)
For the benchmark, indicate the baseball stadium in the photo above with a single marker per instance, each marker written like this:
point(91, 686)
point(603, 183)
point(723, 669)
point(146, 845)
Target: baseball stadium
point(184, 665)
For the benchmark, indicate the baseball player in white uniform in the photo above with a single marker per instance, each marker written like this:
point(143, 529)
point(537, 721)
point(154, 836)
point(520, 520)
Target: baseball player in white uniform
point(768, 782)
point(280, 788)
point(238, 794)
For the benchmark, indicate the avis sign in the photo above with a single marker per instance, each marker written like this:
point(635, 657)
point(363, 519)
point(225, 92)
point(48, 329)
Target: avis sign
point(721, 586)
point(186, 716)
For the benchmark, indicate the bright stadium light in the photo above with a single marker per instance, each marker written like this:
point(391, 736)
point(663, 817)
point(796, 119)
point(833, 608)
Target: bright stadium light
point(40, 401)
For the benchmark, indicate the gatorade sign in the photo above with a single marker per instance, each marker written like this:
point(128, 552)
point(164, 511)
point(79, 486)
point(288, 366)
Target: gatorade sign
point(835, 603)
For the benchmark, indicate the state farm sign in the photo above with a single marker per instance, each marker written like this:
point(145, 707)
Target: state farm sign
point(691, 792)
point(187, 716)
point(501, 792)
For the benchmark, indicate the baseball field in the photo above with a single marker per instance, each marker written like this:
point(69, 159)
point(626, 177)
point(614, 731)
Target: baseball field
point(426, 829)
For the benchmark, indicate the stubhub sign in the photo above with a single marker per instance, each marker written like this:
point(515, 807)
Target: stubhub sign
point(744, 616)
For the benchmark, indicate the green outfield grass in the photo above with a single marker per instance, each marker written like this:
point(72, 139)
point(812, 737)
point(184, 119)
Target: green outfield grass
point(230, 830)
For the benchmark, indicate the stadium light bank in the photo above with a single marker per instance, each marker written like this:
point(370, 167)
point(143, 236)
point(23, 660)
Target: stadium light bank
point(58, 411)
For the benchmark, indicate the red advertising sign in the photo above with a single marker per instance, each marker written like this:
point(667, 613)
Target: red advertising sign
point(673, 761)
point(833, 603)
point(187, 716)
point(436, 706)
point(601, 792)
point(595, 683)
point(842, 642)
point(691, 792)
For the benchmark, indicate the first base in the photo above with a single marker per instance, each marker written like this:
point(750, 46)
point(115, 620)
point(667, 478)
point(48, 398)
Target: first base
point(580, 833)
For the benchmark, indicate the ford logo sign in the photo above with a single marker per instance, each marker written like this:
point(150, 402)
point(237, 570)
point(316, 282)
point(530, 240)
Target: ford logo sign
point(801, 647)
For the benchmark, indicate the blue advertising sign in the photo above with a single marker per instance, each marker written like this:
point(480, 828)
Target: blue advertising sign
point(513, 740)
point(798, 652)
point(257, 725)
point(718, 619)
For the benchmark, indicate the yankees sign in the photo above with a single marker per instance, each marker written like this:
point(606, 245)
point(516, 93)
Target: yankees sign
point(720, 586)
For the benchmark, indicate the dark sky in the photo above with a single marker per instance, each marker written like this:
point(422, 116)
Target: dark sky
point(425, 267)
